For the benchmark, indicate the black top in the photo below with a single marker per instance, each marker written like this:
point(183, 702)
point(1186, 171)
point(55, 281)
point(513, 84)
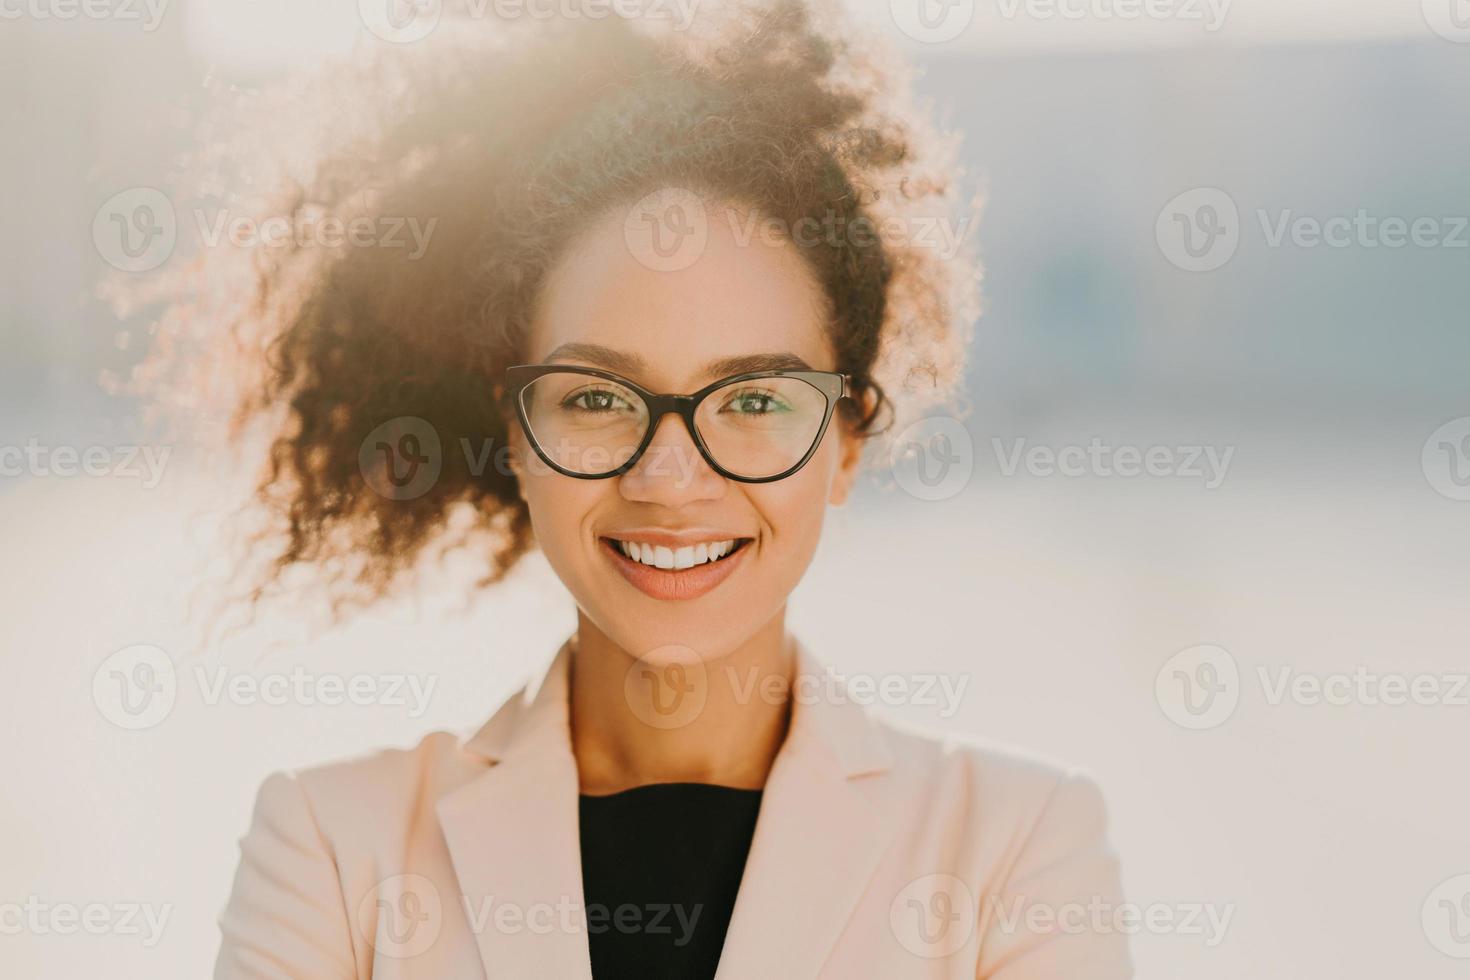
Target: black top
point(660, 868)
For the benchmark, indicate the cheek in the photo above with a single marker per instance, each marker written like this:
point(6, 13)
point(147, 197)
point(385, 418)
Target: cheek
point(794, 507)
point(558, 505)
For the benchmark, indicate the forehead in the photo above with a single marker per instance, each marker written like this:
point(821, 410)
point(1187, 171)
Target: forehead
point(679, 310)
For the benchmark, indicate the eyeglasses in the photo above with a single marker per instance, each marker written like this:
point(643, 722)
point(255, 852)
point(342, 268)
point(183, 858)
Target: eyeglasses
point(754, 428)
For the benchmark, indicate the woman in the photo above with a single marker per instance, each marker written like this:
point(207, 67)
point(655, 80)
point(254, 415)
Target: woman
point(669, 275)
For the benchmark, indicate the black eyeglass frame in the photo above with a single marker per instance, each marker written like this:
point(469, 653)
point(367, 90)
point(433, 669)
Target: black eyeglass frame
point(833, 385)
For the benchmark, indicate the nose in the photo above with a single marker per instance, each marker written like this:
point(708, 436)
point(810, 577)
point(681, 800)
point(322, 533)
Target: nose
point(671, 471)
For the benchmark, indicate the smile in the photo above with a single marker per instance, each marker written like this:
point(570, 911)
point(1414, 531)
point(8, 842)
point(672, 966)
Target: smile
point(678, 558)
point(685, 572)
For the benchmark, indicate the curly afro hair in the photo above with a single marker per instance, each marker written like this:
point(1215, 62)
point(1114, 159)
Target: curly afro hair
point(505, 140)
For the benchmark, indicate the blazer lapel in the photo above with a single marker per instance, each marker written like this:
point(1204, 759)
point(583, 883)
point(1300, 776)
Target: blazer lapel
point(513, 839)
point(826, 818)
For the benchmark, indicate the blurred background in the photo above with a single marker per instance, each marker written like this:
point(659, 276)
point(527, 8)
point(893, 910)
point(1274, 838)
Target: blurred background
point(1154, 290)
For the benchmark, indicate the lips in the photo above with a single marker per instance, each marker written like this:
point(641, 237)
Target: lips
point(673, 582)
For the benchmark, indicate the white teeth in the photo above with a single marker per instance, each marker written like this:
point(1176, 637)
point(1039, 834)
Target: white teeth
point(660, 556)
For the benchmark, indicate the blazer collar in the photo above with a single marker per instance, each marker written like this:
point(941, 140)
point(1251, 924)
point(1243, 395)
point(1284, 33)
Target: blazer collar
point(826, 817)
point(825, 716)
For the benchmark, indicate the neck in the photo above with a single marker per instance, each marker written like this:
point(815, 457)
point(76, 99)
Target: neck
point(674, 718)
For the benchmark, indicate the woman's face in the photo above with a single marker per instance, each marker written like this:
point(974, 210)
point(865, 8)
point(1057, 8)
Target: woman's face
point(745, 297)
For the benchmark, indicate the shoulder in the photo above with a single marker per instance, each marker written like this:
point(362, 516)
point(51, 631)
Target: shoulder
point(1000, 786)
point(395, 785)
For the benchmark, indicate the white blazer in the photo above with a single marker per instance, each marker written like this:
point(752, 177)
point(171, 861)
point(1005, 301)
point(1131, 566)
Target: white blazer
point(878, 852)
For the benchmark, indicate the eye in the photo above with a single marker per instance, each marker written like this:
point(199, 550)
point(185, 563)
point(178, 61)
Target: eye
point(754, 401)
point(596, 400)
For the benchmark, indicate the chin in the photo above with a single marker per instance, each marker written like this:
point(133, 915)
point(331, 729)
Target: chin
point(670, 643)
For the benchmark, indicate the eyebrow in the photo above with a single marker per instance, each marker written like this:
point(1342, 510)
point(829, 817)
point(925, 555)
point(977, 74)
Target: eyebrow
point(623, 362)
